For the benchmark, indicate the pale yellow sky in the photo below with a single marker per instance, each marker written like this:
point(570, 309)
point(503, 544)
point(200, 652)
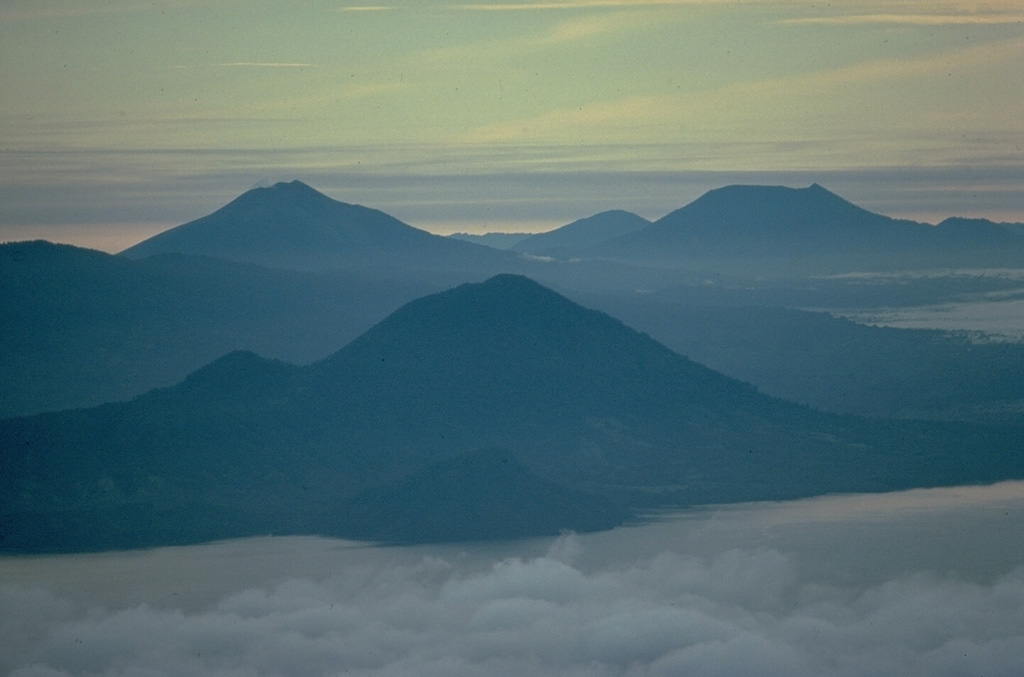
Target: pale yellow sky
point(125, 111)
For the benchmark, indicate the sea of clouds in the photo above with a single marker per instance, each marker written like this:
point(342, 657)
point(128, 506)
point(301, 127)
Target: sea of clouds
point(916, 583)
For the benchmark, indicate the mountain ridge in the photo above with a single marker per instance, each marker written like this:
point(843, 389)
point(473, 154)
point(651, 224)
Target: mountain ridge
point(248, 446)
point(82, 327)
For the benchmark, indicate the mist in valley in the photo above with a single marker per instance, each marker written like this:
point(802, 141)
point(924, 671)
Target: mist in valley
point(926, 582)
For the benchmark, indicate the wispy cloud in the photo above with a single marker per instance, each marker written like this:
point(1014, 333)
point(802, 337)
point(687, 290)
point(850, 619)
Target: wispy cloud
point(774, 109)
point(28, 10)
point(267, 64)
point(373, 89)
point(576, 4)
point(854, 12)
point(566, 31)
point(988, 12)
point(587, 119)
point(987, 19)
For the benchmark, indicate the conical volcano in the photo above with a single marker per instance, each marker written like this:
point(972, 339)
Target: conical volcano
point(291, 225)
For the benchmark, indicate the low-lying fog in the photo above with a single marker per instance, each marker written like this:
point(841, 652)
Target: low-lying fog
point(998, 319)
point(927, 582)
point(997, 315)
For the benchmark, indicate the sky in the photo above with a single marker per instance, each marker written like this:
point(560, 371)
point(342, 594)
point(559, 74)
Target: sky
point(120, 118)
point(915, 584)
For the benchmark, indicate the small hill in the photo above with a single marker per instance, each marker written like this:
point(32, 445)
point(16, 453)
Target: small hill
point(579, 237)
point(981, 231)
point(291, 225)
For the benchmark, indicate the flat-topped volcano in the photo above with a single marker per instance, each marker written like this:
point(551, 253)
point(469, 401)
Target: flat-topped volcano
point(744, 228)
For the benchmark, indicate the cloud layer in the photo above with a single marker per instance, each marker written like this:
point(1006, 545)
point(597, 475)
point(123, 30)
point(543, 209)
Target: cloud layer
point(813, 588)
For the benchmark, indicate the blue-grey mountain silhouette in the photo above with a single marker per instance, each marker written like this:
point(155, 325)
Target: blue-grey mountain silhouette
point(291, 225)
point(790, 230)
point(580, 237)
point(247, 445)
point(81, 327)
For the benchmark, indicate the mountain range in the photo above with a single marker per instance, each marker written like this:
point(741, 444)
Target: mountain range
point(503, 388)
point(736, 229)
point(79, 327)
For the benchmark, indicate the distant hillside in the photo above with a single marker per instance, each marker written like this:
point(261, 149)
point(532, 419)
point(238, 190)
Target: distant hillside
point(79, 327)
point(580, 237)
point(837, 365)
point(809, 230)
point(595, 413)
point(290, 225)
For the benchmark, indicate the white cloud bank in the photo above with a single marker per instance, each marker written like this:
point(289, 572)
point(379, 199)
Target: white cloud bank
point(838, 588)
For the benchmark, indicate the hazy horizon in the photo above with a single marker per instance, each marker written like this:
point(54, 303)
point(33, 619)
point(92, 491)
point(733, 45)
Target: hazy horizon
point(503, 115)
point(114, 238)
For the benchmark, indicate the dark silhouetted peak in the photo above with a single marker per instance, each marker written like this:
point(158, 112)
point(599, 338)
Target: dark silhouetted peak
point(241, 370)
point(511, 352)
point(749, 226)
point(291, 225)
point(764, 203)
point(774, 212)
point(578, 237)
point(294, 192)
point(294, 188)
point(960, 222)
point(497, 312)
point(507, 317)
point(289, 219)
point(506, 284)
point(504, 298)
point(963, 232)
point(773, 229)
